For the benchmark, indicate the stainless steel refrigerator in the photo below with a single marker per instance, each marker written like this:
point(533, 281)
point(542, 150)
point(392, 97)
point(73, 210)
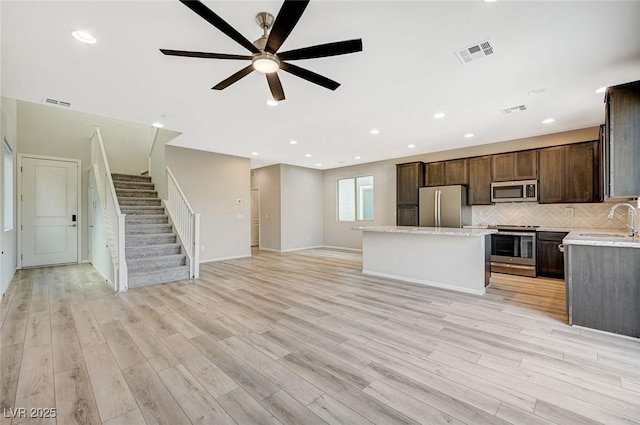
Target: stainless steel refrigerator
point(444, 206)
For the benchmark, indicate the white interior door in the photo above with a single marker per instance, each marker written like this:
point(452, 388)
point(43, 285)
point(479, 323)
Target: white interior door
point(49, 212)
point(255, 217)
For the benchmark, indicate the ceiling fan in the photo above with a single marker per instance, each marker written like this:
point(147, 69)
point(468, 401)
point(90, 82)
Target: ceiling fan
point(264, 57)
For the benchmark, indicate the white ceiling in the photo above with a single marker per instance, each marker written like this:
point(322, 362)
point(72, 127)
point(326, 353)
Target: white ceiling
point(407, 72)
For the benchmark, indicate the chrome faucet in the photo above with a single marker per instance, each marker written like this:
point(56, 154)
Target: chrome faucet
point(633, 227)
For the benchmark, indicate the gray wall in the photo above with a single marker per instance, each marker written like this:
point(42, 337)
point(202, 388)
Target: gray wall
point(338, 234)
point(9, 130)
point(301, 207)
point(157, 162)
point(268, 180)
point(212, 184)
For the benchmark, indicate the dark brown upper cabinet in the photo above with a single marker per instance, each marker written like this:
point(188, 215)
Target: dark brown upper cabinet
point(480, 180)
point(435, 174)
point(409, 178)
point(569, 174)
point(622, 141)
point(456, 171)
point(515, 166)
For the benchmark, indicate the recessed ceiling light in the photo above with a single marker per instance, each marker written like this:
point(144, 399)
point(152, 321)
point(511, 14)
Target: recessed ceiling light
point(357, 157)
point(84, 36)
point(255, 153)
point(307, 155)
point(601, 90)
point(293, 142)
point(411, 146)
point(548, 121)
point(438, 116)
point(157, 125)
point(272, 102)
point(469, 135)
point(374, 131)
point(318, 164)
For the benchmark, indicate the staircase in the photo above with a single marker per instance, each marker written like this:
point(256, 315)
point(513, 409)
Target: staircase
point(152, 251)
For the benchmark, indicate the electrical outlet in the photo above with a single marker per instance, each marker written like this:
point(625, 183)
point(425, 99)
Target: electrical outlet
point(568, 212)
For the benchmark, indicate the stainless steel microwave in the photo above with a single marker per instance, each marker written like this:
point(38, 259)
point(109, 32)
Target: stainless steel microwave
point(517, 191)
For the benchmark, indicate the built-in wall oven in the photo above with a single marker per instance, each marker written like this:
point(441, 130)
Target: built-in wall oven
point(513, 250)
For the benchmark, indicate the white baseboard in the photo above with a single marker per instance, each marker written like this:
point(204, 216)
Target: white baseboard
point(425, 282)
point(343, 248)
point(102, 275)
point(302, 249)
point(211, 260)
point(269, 249)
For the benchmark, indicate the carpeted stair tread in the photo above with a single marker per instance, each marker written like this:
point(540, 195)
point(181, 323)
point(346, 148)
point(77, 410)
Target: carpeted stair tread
point(129, 177)
point(150, 239)
point(139, 279)
point(135, 219)
point(136, 193)
point(149, 202)
point(150, 251)
point(156, 263)
point(142, 209)
point(133, 185)
point(146, 229)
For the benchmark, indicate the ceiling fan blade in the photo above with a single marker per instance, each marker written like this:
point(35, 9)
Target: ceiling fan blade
point(215, 20)
point(323, 50)
point(235, 77)
point(309, 76)
point(287, 18)
point(276, 86)
point(205, 55)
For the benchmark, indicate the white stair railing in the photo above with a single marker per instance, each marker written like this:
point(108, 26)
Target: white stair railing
point(186, 222)
point(114, 218)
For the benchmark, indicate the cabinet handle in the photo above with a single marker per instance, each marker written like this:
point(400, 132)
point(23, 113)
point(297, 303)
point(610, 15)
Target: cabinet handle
point(561, 247)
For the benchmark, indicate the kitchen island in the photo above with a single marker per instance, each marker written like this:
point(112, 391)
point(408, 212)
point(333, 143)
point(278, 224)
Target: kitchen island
point(603, 287)
point(450, 258)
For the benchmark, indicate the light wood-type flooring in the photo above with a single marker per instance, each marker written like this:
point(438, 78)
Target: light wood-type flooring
point(304, 338)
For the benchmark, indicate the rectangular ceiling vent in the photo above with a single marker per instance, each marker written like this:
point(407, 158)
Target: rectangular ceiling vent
point(513, 109)
point(54, 102)
point(475, 51)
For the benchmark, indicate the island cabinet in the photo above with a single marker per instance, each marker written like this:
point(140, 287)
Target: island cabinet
point(409, 178)
point(444, 173)
point(569, 174)
point(511, 166)
point(622, 141)
point(480, 180)
point(550, 261)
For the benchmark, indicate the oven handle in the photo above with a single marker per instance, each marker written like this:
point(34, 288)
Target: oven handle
point(512, 266)
point(515, 233)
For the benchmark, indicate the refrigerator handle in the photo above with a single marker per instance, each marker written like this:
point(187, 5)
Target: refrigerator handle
point(439, 208)
point(435, 208)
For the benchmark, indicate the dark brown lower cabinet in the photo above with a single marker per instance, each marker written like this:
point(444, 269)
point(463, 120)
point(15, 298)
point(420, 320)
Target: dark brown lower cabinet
point(407, 215)
point(550, 261)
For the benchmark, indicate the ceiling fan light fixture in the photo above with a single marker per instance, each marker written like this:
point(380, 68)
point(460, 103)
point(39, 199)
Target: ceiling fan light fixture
point(265, 62)
point(84, 36)
point(272, 102)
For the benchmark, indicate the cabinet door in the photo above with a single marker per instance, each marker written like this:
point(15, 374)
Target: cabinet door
point(407, 216)
point(550, 261)
point(435, 174)
point(408, 179)
point(503, 167)
point(580, 172)
point(623, 132)
point(526, 164)
point(480, 180)
point(552, 175)
point(456, 171)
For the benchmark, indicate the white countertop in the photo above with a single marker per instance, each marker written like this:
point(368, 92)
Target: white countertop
point(442, 231)
point(602, 237)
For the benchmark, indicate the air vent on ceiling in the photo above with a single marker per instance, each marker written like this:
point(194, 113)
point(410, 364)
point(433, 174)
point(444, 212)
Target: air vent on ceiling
point(475, 51)
point(54, 102)
point(513, 109)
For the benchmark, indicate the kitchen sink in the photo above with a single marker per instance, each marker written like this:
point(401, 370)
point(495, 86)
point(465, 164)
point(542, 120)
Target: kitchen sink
point(604, 235)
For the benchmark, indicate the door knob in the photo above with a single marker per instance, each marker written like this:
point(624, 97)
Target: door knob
point(73, 225)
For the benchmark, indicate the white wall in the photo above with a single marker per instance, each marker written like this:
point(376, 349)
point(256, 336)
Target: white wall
point(157, 162)
point(8, 120)
point(384, 180)
point(100, 253)
point(212, 183)
point(268, 180)
point(301, 207)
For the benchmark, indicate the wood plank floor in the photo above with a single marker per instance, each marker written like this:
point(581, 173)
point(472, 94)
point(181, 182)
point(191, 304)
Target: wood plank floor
point(305, 338)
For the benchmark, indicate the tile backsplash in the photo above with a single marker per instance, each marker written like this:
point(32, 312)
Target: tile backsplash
point(588, 216)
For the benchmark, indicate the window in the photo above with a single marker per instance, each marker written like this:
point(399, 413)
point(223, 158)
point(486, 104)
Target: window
point(355, 199)
point(7, 158)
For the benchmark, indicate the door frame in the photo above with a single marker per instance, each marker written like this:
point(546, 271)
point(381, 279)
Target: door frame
point(257, 189)
point(21, 156)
